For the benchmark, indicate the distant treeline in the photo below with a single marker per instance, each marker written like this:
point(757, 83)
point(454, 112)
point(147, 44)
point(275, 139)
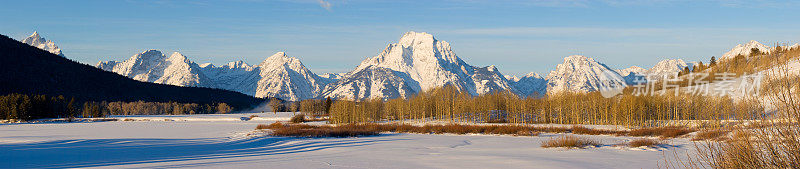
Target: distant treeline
point(312, 107)
point(28, 107)
point(447, 104)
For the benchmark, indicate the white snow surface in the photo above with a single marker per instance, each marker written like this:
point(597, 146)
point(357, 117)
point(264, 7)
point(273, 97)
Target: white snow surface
point(220, 141)
point(36, 40)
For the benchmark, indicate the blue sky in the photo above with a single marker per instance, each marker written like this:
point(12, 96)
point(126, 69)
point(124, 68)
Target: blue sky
point(335, 35)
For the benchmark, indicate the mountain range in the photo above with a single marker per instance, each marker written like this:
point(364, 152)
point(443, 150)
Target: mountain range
point(417, 62)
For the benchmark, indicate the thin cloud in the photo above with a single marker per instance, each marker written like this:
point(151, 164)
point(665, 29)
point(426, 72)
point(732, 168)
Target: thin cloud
point(325, 4)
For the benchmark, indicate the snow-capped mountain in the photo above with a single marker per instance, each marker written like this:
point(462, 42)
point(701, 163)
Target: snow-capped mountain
point(154, 66)
point(287, 78)
point(237, 76)
point(664, 68)
point(632, 75)
point(531, 84)
point(277, 76)
point(582, 74)
point(416, 63)
point(745, 49)
point(41, 43)
point(668, 67)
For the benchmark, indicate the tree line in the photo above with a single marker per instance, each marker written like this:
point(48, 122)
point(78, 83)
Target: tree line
point(448, 104)
point(28, 107)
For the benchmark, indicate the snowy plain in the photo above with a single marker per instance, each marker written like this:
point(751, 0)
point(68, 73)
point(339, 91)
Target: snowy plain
point(227, 141)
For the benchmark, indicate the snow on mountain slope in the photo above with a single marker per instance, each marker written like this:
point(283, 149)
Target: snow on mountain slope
point(332, 76)
point(636, 70)
point(668, 67)
point(582, 74)
point(287, 78)
point(41, 43)
point(531, 84)
point(278, 76)
point(416, 63)
point(153, 66)
point(237, 76)
point(745, 49)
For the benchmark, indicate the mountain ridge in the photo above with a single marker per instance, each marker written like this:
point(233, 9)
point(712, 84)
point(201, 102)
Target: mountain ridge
point(415, 63)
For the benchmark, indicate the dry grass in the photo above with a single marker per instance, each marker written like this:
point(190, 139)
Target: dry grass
point(300, 118)
point(713, 135)
point(514, 130)
point(569, 141)
point(583, 130)
point(303, 130)
point(497, 121)
point(316, 118)
point(663, 132)
point(643, 142)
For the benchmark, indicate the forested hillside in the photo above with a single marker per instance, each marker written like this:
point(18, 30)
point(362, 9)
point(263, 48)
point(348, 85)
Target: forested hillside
point(28, 70)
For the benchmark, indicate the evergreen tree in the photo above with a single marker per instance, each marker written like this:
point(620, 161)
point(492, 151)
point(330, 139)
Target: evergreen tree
point(713, 61)
point(328, 103)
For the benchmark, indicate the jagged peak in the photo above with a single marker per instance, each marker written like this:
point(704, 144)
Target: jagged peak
point(279, 57)
point(237, 64)
point(511, 78)
point(279, 54)
point(207, 65)
point(532, 75)
point(35, 40)
point(577, 58)
point(670, 62)
point(177, 55)
point(491, 68)
point(151, 51)
point(412, 38)
point(151, 54)
point(35, 35)
point(634, 68)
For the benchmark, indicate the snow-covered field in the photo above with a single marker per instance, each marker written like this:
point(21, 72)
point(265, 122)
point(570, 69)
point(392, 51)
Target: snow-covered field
point(226, 141)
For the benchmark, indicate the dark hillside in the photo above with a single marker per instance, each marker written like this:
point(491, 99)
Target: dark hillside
point(28, 70)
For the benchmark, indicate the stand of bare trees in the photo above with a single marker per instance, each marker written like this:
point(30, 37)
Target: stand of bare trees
point(447, 104)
